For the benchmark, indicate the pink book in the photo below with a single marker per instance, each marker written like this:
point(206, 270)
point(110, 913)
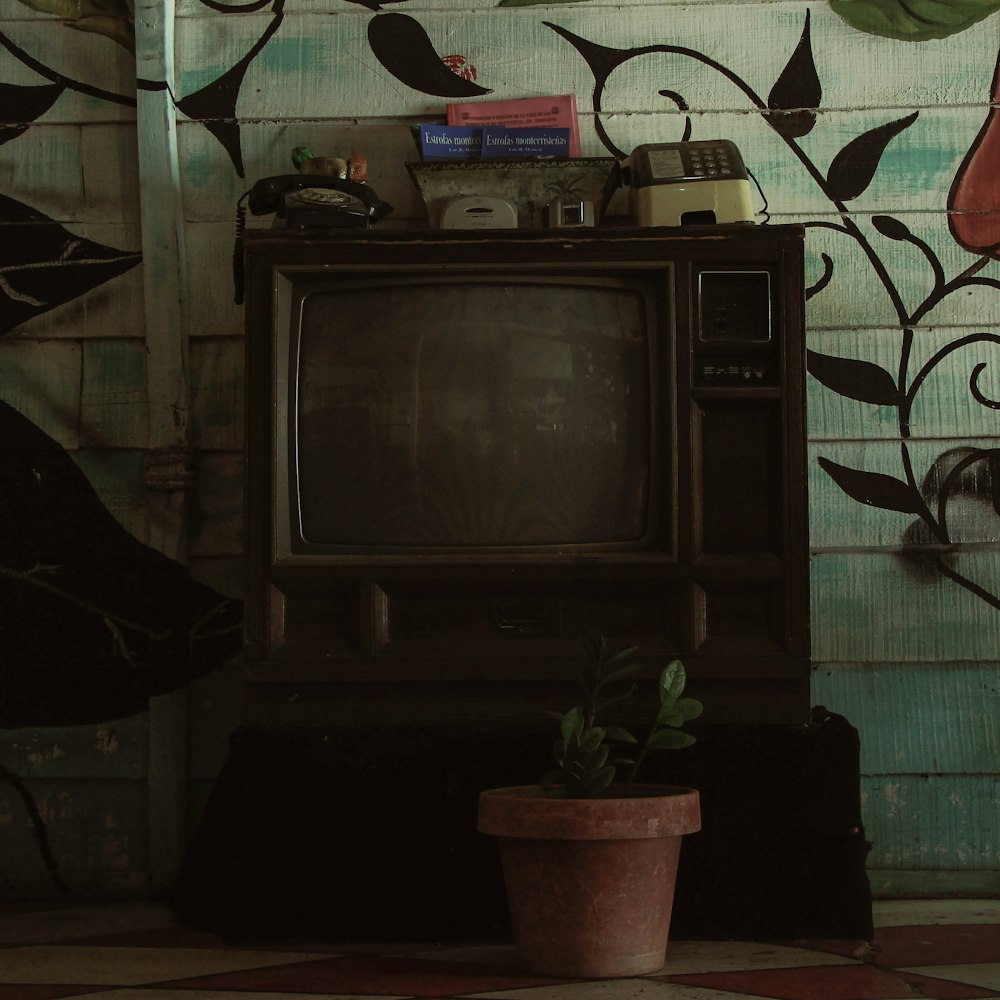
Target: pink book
point(526, 112)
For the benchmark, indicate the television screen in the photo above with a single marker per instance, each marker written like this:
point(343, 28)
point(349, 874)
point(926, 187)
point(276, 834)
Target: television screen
point(473, 413)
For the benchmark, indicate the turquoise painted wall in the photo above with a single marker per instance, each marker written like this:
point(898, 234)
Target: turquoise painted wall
point(870, 144)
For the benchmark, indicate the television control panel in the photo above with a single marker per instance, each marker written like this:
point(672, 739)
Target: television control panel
point(735, 339)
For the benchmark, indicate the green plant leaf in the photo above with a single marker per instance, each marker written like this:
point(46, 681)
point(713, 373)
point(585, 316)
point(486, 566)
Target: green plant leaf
point(619, 734)
point(620, 697)
point(622, 673)
point(621, 655)
point(591, 739)
point(913, 20)
point(689, 708)
point(669, 715)
point(595, 759)
point(572, 724)
point(672, 681)
point(600, 780)
point(669, 739)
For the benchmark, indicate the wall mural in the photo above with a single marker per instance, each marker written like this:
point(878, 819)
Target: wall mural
point(94, 622)
point(139, 625)
point(404, 50)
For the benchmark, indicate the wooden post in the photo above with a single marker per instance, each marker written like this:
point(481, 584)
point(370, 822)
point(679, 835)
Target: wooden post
point(169, 469)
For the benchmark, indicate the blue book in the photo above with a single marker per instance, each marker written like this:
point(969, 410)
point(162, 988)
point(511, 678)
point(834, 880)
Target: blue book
point(450, 142)
point(500, 143)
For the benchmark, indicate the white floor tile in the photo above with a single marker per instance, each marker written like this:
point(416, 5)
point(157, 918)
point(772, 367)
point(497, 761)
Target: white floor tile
point(985, 975)
point(907, 912)
point(129, 966)
point(65, 923)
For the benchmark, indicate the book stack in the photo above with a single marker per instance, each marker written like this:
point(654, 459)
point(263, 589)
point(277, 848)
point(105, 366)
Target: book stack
point(527, 128)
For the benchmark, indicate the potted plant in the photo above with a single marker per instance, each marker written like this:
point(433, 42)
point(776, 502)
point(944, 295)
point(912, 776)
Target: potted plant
point(590, 862)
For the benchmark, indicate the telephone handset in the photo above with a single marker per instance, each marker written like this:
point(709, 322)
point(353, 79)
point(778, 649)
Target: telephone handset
point(308, 200)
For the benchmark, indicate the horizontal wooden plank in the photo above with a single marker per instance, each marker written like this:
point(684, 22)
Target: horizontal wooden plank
point(107, 751)
point(934, 822)
point(116, 475)
point(75, 173)
point(217, 393)
point(222, 573)
point(86, 58)
point(113, 404)
point(208, 281)
point(516, 54)
point(218, 503)
point(915, 174)
point(856, 295)
point(876, 607)
point(917, 718)
point(42, 381)
point(838, 521)
point(906, 884)
point(942, 404)
point(112, 309)
point(96, 831)
point(194, 8)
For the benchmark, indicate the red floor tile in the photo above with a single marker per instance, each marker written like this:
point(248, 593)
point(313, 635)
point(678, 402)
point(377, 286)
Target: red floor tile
point(938, 944)
point(370, 974)
point(859, 982)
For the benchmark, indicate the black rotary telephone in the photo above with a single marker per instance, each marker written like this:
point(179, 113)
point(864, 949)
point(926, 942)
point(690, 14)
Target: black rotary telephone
point(316, 200)
point(306, 201)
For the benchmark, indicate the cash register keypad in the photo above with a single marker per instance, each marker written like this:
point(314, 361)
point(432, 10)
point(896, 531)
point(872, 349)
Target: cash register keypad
point(710, 161)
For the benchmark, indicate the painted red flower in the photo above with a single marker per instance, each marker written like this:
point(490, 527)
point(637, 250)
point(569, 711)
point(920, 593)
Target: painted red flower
point(974, 198)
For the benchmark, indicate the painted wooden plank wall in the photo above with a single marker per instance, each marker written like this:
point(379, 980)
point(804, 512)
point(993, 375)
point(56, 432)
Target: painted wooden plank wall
point(907, 656)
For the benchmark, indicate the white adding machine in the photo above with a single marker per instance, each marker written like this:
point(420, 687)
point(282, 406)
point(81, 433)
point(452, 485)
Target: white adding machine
point(688, 183)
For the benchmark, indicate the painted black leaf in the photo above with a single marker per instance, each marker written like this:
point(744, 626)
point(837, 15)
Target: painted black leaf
point(890, 227)
point(93, 620)
point(874, 488)
point(42, 265)
point(854, 166)
point(855, 379)
point(21, 105)
point(401, 45)
point(215, 104)
point(796, 92)
point(215, 107)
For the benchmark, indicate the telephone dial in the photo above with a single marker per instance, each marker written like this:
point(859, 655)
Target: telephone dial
point(315, 200)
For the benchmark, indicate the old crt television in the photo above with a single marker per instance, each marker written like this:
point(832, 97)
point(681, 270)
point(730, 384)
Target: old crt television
point(463, 446)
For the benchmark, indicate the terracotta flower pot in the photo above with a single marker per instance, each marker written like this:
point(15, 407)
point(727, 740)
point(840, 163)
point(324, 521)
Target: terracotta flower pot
point(590, 882)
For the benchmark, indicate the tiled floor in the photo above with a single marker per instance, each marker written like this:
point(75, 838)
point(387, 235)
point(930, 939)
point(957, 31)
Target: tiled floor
point(940, 949)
